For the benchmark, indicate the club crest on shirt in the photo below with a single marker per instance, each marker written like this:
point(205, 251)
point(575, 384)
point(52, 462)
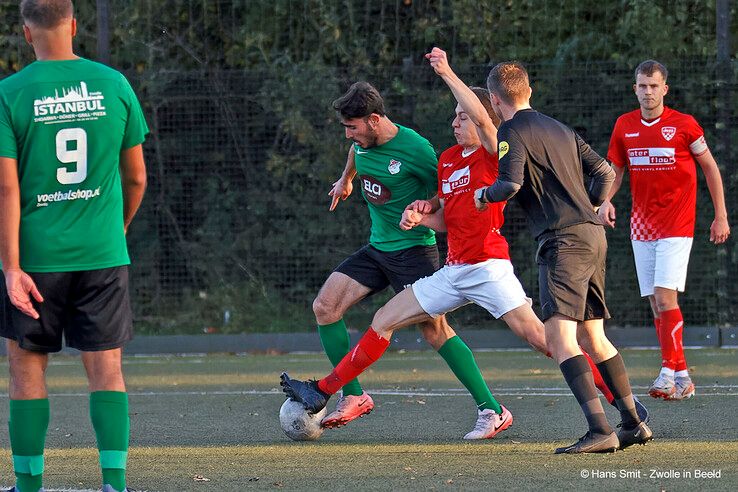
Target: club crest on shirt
point(668, 132)
point(394, 166)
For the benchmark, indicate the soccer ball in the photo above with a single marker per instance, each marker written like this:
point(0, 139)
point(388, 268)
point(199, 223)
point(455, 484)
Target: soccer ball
point(298, 424)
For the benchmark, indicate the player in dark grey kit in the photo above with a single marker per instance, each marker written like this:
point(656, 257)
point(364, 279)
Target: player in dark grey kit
point(543, 162)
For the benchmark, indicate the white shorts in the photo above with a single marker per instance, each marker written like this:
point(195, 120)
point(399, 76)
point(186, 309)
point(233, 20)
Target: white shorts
point(662, 263)
point(491, 284)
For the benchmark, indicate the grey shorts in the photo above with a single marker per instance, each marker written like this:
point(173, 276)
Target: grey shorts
point(571, 272)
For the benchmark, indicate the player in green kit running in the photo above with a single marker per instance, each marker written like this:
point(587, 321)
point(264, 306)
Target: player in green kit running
point(395, 167)
point(72, 177)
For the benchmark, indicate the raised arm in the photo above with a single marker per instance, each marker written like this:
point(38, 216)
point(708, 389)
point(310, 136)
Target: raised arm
point(343, 187)
point(719, 229)
point(468, 101)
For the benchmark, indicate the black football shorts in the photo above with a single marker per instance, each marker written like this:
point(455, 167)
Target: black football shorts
point(91, 309)
point(378, 269)
point(571, 272)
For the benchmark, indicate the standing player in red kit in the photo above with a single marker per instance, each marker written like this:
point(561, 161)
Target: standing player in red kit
point(659, 147)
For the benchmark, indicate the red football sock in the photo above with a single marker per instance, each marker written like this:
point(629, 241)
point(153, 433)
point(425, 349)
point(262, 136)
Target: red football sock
point(675, 320)
point(599, 382)
point(671, 338)
point(369, 349)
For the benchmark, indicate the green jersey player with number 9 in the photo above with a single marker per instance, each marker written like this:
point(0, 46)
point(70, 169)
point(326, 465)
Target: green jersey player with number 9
point(72, 176)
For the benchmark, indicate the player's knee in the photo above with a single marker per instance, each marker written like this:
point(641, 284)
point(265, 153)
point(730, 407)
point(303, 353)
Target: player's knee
point(594, 344)
point(535, 334)
point(530, 329)
point(435, 333)
point(666, 305)
point(665, 300)
point(586, 343)
point(325, 312)
point(109, 379)
point(381, 322)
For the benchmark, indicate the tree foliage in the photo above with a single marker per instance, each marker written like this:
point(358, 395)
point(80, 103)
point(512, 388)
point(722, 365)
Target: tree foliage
point(195, 34)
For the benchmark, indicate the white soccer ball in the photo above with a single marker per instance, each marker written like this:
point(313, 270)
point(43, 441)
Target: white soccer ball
point(298, 424)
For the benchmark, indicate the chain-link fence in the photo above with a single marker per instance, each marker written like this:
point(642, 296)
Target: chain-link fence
point(235, 232)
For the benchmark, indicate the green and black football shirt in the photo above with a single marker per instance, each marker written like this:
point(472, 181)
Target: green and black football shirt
point(66, 123)
point(392, 176)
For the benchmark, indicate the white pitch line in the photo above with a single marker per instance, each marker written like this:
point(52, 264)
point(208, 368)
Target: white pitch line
point(237, 358)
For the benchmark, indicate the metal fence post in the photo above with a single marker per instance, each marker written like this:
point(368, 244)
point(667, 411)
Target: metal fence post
point(725, 291)
point(103, 32)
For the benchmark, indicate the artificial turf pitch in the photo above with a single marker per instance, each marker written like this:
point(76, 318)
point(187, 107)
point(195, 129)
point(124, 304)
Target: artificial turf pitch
point(211, 423)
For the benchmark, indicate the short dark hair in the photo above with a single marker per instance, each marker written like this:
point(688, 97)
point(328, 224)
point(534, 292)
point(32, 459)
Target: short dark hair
point(483, 95)
point(509, 80)
point(648, 68)
point(46, 13)
point(361, 100)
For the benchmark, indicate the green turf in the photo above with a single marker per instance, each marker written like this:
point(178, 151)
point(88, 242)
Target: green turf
point(194, 416)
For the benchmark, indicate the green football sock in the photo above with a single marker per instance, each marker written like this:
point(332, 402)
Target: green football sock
point(460, 359)
point(109, 415)
point(336, 343)
point(27, 425)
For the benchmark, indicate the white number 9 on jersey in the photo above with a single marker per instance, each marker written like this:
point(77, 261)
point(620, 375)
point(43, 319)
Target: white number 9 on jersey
point(78, 156)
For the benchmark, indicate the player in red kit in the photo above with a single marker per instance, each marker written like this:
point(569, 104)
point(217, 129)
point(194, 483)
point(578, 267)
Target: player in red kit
point(659, 147)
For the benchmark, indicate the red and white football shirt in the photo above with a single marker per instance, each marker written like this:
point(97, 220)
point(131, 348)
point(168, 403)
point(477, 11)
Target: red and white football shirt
point(473, 236)
point(659, 155)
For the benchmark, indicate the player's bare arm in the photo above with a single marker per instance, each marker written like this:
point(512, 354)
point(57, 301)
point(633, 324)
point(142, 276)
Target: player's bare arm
point(344, 186)
point(607, 209)
point(468, 101)
point(433, 219)
point(425, 206)
point(19, 284)
point(719, 229)
point(133, 180)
